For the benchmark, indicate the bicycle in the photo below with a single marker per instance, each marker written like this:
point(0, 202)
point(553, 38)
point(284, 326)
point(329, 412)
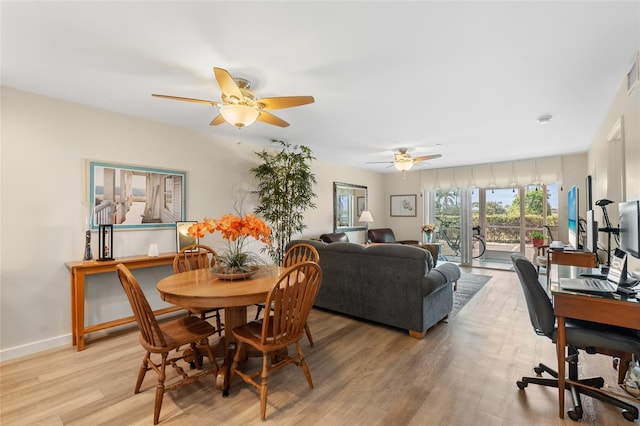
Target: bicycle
point(446, 231)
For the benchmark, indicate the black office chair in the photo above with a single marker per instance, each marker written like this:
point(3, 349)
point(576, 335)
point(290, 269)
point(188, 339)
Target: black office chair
point(591, 337)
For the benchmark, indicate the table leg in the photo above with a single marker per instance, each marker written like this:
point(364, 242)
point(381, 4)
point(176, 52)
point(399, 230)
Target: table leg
point(79, 310)
point(234, 316)
point(74, 332)
point(561, 348)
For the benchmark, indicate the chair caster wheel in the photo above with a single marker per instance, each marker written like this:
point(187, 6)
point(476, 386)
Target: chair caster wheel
point(538, 371)
point(575, 414)
point(521, 384)
point(629, 415)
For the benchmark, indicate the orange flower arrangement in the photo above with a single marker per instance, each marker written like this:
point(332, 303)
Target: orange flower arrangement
point(235, 230)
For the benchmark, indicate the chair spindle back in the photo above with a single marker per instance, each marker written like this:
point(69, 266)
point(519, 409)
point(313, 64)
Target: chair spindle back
point(197, 256)
point(147, 323)
point(291, 299)
point(298, 253)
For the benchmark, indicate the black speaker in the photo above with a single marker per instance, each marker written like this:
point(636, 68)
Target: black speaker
point(588, 188)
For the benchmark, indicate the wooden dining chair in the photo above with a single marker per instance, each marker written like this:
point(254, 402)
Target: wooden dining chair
point(291, 299)
point(198, 256)
point(297, 253)
point(162, 339)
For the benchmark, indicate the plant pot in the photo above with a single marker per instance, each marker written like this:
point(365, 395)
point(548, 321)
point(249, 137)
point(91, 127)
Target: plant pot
point(537, 242)
point(230, 276)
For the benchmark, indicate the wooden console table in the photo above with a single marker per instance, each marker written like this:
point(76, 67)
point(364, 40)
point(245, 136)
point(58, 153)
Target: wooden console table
point(78, 272)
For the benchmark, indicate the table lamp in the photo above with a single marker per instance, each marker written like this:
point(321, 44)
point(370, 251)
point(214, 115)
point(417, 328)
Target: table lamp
point(367, 218)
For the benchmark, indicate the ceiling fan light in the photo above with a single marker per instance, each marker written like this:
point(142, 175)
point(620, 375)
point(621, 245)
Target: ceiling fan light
point(403, 164)
point(239, 115)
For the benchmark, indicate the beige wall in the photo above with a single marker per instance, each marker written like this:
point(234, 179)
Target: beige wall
point(624, 108)
point(45, 145)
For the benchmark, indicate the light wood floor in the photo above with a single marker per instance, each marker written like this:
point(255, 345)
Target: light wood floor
point(462, 373)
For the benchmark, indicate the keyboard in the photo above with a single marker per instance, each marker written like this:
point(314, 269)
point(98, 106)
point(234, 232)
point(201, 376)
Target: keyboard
point(587, 284)
point(595, 284)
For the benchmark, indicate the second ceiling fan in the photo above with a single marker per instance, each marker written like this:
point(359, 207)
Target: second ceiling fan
point(240, 107)
point(403, 161)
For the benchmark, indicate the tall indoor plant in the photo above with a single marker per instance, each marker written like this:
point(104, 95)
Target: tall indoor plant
point(285, 190)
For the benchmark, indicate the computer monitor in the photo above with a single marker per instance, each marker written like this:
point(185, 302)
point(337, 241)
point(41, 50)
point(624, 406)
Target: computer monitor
point(629, 225)
point(572, 216)
point(591, 243)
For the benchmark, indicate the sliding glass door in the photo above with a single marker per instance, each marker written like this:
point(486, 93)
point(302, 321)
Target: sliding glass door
point(506, 216)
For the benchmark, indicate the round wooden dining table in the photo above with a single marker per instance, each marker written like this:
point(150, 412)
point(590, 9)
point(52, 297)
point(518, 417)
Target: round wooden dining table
point(202, 289)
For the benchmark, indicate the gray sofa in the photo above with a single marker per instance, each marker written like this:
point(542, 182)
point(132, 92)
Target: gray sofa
point(391, 284)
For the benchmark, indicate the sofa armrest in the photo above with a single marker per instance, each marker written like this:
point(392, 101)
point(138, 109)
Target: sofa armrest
point(444, 274)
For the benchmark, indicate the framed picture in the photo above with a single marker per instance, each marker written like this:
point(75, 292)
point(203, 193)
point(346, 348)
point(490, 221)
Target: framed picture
point(135, 197)
point(403, 205)
point(183, 239)
point(361, 206)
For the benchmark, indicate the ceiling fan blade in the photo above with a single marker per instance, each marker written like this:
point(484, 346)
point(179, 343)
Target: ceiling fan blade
point(268, 118)
point(227, 84)
point(179, 98)
point(285, 101)
point(426, 157)
point(379, 162)
point(219, 119)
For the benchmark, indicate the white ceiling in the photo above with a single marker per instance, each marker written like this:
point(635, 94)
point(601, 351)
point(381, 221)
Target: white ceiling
point(464, 79)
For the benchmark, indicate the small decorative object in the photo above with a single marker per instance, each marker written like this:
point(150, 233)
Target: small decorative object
point(105, 242)
point(538, 238)
point(87, 246)
point(427, 231)
point(88, 214)
point(153, 250)
point(235, 262)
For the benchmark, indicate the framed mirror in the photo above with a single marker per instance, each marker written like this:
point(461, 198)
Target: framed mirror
point(349, 201)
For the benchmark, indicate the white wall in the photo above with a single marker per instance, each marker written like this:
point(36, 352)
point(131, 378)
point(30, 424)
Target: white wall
point(627, 108)
point(45, 145)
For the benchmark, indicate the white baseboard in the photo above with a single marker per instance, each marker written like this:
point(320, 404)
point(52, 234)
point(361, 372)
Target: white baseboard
point(32, 348)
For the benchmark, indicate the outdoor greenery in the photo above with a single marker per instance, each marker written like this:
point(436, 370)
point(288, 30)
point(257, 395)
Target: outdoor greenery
point(532, 203)
point(285, 190)
point(503, 222)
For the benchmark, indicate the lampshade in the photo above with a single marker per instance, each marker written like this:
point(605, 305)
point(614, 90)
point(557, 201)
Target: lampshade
point(239, 115)
point(403, 164)
point(366, 216)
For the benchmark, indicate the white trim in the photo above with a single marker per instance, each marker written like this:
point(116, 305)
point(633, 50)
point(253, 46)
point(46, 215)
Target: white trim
point(632, 77)
point(34, 347)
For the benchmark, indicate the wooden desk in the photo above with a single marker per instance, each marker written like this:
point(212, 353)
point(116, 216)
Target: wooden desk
point(81, 269)
point(575, 305)
point(201, 289)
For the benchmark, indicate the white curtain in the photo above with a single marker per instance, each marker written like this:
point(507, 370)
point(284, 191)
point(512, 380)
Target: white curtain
point(504, 174)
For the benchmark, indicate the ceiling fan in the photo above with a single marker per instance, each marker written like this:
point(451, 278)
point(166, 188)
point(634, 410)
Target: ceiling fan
point(403, 161)
point(240, 107)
